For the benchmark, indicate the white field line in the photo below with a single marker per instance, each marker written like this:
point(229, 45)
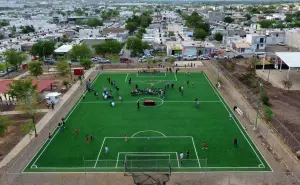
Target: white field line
point(237, 124)
point(117, 160)
point(196, 152)
point(148, 131)
point(106, 102)
point(99, 152)
point(126, 77)
point(43, 149)
point(155, 137)
point(177, 160)
point(68, 115)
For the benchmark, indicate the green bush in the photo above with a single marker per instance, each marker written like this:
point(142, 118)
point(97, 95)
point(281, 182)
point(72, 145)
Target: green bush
point(265, 100)
point(268, 113)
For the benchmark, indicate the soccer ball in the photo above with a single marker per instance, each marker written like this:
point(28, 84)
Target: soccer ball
point(105, 97)
point(112, 104)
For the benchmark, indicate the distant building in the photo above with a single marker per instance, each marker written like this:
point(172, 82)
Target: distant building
point(292, 38)
point(257, 42)
point(215, 16)
point(63, 51)
point(275, 36)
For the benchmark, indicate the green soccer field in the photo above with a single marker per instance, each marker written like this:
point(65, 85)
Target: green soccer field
point(156, 135)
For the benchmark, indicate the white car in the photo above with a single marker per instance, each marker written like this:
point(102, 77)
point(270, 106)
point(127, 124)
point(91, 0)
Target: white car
point(222, 47)
point(95, 59)
point(280, 44)
point(203, 57)
point(221, 57)
point(227, 50)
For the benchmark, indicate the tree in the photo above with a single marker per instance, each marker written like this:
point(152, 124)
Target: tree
point(80, 51)
point(268, 113)
point(14, 58)
point(266, 23)
point(228, 19)
point(86, 63)
point(63, 68)
point(94, 23)
point(27, 29)
point(2, 24)
point(136, 45)
point(131, 26)
point(287, 83)
point(219, 36)
point(171, 33)
point(20, 88)
point(28, 128)
point(248, 16)
point(4, 124)
point(108, 47)
point(43, 48)
point(29, 105)
point(200, 34)
point(172, 60)
point(35, 68)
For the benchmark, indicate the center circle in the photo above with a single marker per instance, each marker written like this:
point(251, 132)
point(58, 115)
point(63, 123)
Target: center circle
point(150, 98)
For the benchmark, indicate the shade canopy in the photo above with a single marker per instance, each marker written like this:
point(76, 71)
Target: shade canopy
point(292, 59)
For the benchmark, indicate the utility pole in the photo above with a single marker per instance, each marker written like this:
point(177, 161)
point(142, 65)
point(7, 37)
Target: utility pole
point(258, 104)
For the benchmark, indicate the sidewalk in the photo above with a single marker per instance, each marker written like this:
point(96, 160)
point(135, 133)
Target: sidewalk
point(21, 112)
point(43, 122)
point(21, 76)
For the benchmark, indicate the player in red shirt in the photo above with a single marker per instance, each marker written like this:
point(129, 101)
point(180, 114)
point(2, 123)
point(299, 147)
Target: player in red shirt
point(204, 146)
point(76, 131)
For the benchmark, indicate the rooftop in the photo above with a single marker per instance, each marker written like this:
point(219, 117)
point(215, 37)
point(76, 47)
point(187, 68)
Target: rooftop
point(63, 49)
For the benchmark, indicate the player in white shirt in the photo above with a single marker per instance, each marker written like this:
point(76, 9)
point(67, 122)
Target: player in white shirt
point(106, 149)
point(230, 116)
point(180, 157)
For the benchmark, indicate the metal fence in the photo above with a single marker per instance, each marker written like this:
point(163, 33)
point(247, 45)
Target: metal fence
point(281, 130)
point(175, 178)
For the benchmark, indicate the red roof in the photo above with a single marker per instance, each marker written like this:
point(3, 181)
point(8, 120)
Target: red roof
point(42, 85)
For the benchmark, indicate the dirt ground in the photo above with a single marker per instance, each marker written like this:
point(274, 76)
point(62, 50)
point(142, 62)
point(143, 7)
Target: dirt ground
point(284, 104)
point(13, 135)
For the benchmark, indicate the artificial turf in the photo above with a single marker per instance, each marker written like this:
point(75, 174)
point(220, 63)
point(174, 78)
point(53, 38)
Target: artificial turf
point(175, 125)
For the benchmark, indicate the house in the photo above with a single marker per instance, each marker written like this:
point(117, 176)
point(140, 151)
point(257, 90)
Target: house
point(242, 47)
point(257, 42)
point(63, 51)
point(292, 38)
point(189, 47)
point(106, 31)
point(275, 36)
point(215, 16)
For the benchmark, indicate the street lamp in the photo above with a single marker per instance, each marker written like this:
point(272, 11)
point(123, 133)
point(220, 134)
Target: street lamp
point(70, 65)
point(258, 104)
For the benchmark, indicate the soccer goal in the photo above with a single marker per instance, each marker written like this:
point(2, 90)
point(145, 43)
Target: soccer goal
point(147, 163)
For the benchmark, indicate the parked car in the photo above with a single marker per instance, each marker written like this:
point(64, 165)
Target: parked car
point(222, 47)
point(49, 61)
point(221, 57)
point(95, 60)
point(280, 44)
point(142, 60)
point(227, 50)
point(185, 57)
point(3, 73)
point(124, 60)
point(238, 56)
point(194, 57)
point(203, 57)
point(104, 60)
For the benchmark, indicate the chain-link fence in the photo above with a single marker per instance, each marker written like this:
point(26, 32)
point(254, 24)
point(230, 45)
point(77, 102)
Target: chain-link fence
point(216, 178)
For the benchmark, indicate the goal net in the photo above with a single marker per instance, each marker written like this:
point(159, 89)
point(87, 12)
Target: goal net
point(147, 163)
